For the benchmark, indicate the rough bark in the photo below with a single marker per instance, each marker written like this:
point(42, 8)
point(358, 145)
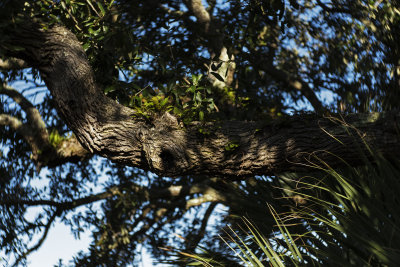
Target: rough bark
point(230, 149)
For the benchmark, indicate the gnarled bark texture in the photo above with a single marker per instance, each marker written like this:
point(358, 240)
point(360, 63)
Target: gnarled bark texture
point(231, 148)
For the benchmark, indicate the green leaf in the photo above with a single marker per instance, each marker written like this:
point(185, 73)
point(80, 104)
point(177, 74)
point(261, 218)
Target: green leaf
point(103, 12)
point(63, 5)
point(86, 46)
point(198, 96)
point(55, 17)
point(196, 79)
point(211, 106)
point(177, 111)
point(164, 101)
point(191, 89)
point(201, 115)
point(109, 89)
point(94, 32)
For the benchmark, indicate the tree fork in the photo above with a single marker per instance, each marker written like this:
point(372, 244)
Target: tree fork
point(230, 149)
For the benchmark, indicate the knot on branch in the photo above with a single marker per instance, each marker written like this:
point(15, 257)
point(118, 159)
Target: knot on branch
point(165, 158)
point(164, 146)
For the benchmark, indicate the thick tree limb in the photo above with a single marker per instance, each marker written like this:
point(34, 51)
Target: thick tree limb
point(231, 149)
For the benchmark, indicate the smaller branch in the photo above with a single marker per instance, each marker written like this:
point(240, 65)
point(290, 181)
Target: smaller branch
point(204, 199)
point(37, 136)
point(176, 190)
point(14, 123)
point(211, 4)
point(74, 19)
point(32, 113)
point(26, 131)
point(63, 206)
point(201, 14)
point(296, 84)
point(92, 198)
point(195, 240)
point(158, 215)
point(225, 66)
point(208, 194)
point(12, 64)
point(95, 11)
point(41, 240)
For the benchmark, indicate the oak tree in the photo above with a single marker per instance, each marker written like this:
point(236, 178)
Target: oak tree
point(182, 105)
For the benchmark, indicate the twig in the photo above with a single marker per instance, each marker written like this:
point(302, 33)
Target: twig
point(40, 242)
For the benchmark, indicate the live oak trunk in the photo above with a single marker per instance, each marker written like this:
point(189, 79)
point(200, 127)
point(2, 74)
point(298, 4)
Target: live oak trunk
point(164, 146)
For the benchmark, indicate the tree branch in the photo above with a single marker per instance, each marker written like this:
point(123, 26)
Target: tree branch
point(62, 206)
point(33, 115)
point(224, 64)
point(232, 149)
point(297, 85)
point(28, 132)
point(12, 64)
point(292, 82)
point(202, 15)
point(209, 194)
point(37, 136)
point(14, 123)
point(41, 240)
point(194, 239)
